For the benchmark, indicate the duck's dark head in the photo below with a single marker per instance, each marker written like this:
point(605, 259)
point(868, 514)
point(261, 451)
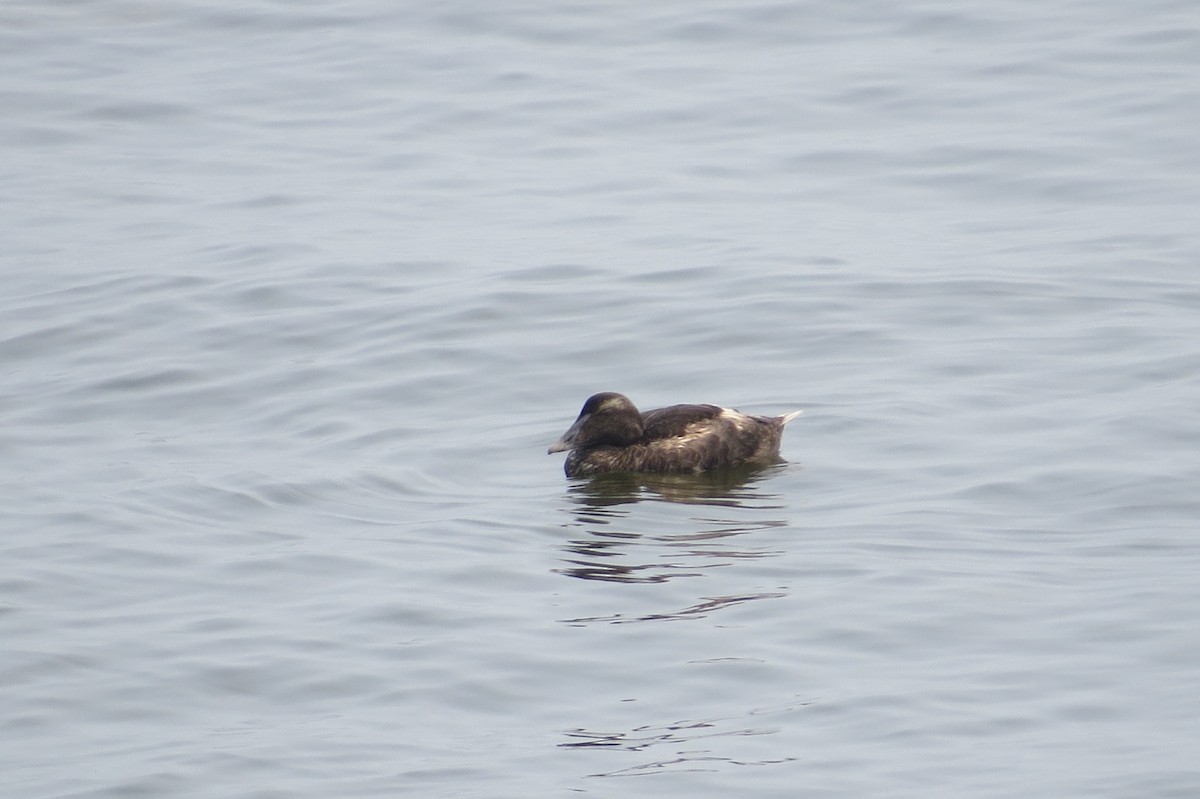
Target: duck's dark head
point(606, 419)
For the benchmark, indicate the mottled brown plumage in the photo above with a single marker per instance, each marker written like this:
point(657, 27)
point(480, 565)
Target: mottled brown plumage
point(611, 435)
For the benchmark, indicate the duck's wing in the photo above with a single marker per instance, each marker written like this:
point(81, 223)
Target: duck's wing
point(674, 420)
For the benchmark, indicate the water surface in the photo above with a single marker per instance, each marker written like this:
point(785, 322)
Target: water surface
point(296, 297)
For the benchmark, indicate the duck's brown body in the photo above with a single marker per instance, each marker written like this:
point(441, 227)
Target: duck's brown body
point(611, 435)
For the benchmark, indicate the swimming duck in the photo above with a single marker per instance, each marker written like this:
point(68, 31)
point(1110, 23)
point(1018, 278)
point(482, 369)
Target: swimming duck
point(612, 435)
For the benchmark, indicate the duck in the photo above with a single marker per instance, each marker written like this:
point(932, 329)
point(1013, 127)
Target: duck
point(612, 435)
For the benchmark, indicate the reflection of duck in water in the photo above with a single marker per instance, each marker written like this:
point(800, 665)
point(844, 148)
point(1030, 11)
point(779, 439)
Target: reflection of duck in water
point(732, 487)
point(612, 435)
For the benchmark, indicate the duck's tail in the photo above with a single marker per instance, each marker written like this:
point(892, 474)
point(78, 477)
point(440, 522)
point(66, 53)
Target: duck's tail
point(787, 417)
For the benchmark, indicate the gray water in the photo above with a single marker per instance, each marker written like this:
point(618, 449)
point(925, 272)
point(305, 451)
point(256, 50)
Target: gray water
point(296, 295)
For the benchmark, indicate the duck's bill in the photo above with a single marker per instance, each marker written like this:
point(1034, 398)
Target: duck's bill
point(568, 438)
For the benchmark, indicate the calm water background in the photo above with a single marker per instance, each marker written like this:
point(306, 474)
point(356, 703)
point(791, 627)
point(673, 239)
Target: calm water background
point(296, 295)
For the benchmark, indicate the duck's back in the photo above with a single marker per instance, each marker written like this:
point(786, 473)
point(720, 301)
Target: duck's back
point(675, 420)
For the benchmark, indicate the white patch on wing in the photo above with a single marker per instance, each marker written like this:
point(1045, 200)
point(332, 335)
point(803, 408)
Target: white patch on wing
point(706, 428)
point(739, 419)
point(692, 433)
